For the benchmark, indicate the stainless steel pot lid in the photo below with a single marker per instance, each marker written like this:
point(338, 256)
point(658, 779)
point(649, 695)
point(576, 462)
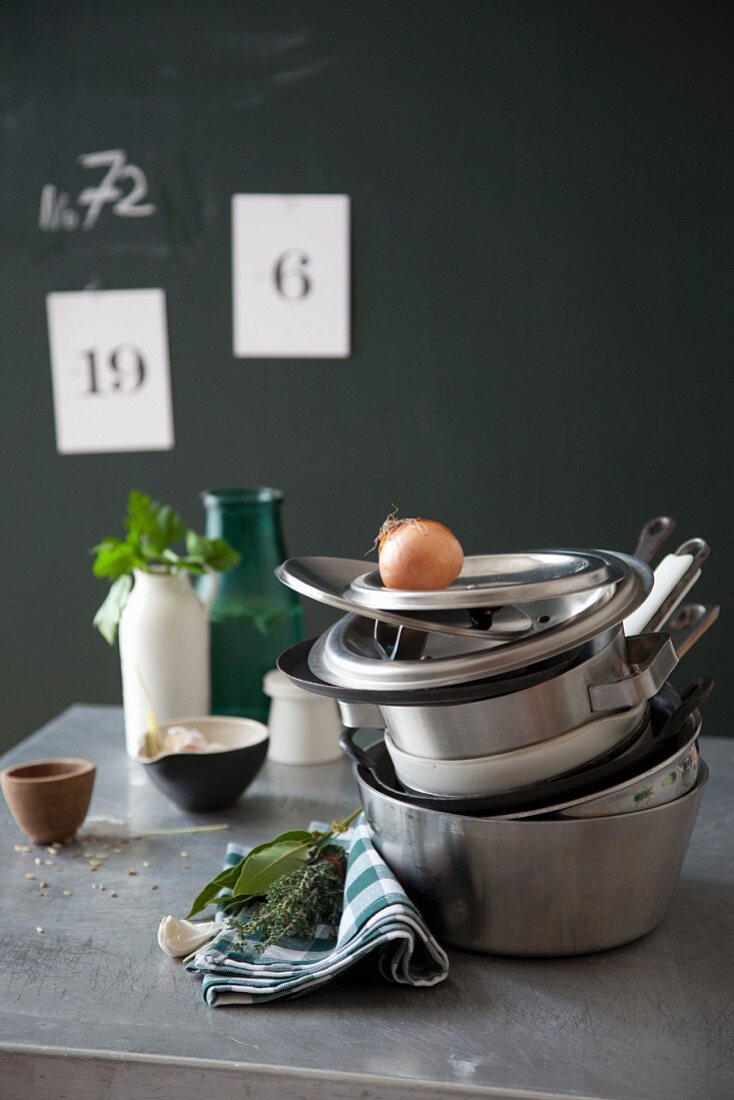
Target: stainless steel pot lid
point(329, 581)
point(350, 655)
point(494, 580)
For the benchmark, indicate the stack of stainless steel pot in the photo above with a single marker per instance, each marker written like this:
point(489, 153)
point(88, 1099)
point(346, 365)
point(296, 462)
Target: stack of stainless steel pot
point(533, 751)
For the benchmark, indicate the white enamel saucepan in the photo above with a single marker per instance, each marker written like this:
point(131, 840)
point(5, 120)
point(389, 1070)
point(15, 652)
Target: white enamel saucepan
point(486, 775)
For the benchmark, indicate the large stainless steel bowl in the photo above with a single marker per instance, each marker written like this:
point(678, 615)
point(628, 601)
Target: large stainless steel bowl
point(532, 887)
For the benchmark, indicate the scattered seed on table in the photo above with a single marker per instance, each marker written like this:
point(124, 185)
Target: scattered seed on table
point(117, 851)
point(49, 862)
point(102, 886)
point(145, 863)
point(42, 885)
point(51, 851)
point(22, 847)
point(38, 861)
point(39, 929)
point(184, 855)
point(88, 855)
point(66, 893)
point(113, 893)
point(42, 894)
point(29, 874)
point(131, 871)
point(154, 887)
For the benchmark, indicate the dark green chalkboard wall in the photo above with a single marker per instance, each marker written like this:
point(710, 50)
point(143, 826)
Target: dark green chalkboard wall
point(541, 197)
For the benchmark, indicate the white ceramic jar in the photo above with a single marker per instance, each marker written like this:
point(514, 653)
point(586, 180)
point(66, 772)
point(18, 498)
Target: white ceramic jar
point(164, 641)
point(304, 728)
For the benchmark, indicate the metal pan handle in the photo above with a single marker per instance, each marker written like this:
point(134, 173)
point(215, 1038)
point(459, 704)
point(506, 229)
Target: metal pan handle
point(359, 756)
point(674, 576)
point(692, 699)
point(689, 623)
point(652, 536)
point(697, 550)
point(360, 716)
point(654, 658)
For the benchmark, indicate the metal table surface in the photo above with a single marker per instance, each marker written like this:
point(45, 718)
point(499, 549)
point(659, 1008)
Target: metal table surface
point(92, 1008)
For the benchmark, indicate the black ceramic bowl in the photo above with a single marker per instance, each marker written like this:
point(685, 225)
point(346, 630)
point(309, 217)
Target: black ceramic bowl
point(200, 782)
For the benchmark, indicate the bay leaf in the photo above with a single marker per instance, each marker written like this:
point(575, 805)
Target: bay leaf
point(260, 870)
point(297, 839)
point(225, 879)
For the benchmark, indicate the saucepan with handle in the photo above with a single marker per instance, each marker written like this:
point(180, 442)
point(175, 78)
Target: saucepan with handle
point(664, 743)
point(613, 672)
point(447, 707)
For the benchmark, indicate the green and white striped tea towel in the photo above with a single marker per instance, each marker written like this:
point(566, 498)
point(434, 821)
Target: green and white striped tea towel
point(377, 915)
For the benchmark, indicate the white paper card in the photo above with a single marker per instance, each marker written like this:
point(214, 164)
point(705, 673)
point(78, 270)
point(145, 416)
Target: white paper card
point(110, 369)
point(290, 276)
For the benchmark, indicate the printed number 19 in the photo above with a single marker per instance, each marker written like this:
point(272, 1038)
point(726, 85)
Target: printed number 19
point(126, 365)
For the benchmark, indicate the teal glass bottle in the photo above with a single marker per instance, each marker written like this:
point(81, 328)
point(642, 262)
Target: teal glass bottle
point(253, 617)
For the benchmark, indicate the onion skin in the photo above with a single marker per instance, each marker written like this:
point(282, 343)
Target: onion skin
point(419, 555)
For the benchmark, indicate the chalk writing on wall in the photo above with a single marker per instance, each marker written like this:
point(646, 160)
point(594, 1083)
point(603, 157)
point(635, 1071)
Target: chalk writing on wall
point(123, 187)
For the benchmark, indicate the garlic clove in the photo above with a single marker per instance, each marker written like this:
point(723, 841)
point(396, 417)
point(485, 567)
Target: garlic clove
point(180, 937)
point(184, 739)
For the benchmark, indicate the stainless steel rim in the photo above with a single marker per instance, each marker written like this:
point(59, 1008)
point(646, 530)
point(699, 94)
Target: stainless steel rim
point(618, 788)
point(336, 658)
point(328, 581)
point(476, 823)
point(495, 580)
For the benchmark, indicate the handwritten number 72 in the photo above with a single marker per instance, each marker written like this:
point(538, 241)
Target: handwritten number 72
point(123, 187)
point(107, 190)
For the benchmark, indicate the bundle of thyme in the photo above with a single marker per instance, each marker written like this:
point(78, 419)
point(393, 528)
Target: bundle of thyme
point(300, 875)
point(297, 903)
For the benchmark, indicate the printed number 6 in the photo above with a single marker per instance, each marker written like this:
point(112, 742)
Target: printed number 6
point(291, 281)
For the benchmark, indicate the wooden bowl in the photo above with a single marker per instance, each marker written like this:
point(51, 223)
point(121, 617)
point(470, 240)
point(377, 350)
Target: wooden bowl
point(49, 799)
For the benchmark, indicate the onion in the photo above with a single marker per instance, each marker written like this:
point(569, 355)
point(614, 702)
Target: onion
point(418, 554)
